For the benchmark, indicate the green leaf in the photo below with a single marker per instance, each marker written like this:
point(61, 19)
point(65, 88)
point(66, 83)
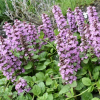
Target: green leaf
point(41, 35)
point(29, 96)
point(51, 50)
point(65, 89)
point(42, 87)
point(54, 84)
point(35, 56)
point(34, 78)
point(48, 81)
point(17, 54)
point(81, 72)
point(47, 62)
point(45, 96)
point(95, 98)
point(49, 89)
point(79, 85)
point(56, 32)
point(85, 61)
point(28, 78)
point(94, 59)
point(86, 96)
point(40, 67)
point(36, 90)
point(29, 65)
point(90, 89)
point(86, 81)
point(40, 76)
point(49, 71)
point(3, 81)
point(50, 97)
point(2, 89)
point(74, 84)
point(69, 94)
point(96, 75)
point(98, 84)
point(42, 56)
point(96, 69)
point(55, 95)
point(78, 35)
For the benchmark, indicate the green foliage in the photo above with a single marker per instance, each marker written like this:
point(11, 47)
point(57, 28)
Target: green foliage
point(65, 4)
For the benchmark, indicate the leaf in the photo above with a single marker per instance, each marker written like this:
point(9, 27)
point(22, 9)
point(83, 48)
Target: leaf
point(74, 84)
point(41, 35)
point(86, 81)
point(90, 89)
point(49, 71)
point(94, 59)
point(34, 78)
point(98, 84)
point(65, 89)
point(42, 56)
point(47, 62)
point(28, 78)
point(69, 94)
point(81, 72)
point(49, 89)
point(3, 81)
point(56, 32)
point(50, 97)
point(36, 90)
point(78, 35)
point(28, 71)
point(54, 84)
point(35, 56)
point(85, 61)
point(29, 96)
point(95, 98)
point(29, 65)
point(40, 67)
point(51, 50)
point(2, 89)
point(79, 85)
point(48, 81)
point(17, 54)
point(96, 75)
point(96, 69)
point(42, 87)
point(86, 96)
point(40, 76)
point(45, 96)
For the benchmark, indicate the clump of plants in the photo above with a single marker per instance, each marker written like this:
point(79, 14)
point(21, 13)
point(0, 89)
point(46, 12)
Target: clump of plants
point(46, 64)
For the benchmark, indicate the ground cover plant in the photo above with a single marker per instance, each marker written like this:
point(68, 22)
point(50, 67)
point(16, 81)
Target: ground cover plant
point(46, 64)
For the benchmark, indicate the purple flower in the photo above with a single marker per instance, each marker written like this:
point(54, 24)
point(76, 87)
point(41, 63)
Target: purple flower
point(71, 20)
point(21, 85)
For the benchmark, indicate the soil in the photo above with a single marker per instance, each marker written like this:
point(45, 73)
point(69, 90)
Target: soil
point(96, 4)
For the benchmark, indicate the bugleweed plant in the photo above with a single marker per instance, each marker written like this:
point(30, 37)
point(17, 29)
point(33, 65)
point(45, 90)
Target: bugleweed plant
point(46, 64)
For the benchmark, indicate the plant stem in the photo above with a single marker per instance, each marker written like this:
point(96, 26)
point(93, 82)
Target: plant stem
point(90, 75)
point(50, 44)
point(80, 93)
